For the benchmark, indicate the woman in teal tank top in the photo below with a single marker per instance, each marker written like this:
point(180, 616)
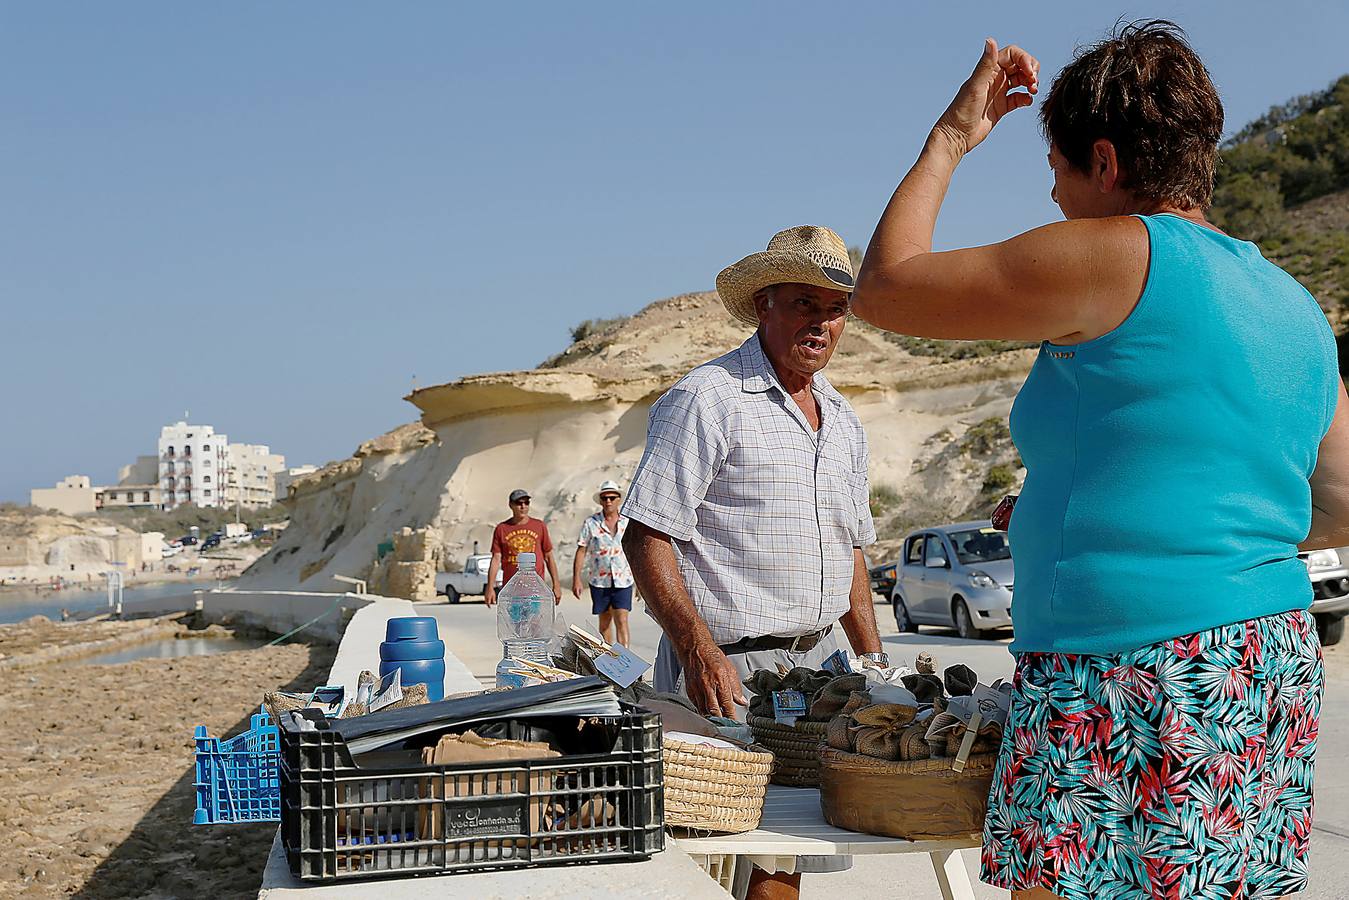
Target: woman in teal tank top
point(1184, 431)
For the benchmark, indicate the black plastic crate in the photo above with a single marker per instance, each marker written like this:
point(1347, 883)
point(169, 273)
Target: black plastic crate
point(386, 818)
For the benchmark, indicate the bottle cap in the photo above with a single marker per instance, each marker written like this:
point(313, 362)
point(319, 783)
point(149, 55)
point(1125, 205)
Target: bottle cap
point(525, 561)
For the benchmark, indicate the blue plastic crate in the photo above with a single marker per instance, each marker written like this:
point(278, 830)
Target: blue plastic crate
point(238, 780)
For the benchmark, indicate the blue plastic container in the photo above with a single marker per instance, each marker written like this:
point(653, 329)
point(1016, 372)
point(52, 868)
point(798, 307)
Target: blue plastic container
point(412, 644)
point(238, 780)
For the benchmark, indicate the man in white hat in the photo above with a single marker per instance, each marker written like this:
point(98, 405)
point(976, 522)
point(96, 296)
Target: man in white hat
point(599, 550)
point(749, 509)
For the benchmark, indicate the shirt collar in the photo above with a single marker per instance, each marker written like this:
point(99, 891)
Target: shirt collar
point(757, 374)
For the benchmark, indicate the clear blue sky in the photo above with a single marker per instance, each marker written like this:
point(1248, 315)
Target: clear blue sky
point(342, 198)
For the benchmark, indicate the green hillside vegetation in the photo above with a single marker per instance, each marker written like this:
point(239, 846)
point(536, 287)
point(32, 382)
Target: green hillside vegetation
point(176, 522)
point(1283, 182)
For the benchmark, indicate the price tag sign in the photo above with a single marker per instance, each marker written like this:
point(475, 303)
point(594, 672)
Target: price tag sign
point(788, 706)
point(837, 663)
point(993, 704)
point(621, 665)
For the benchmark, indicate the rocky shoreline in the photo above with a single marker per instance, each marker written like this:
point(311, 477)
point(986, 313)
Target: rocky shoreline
point(96, 793)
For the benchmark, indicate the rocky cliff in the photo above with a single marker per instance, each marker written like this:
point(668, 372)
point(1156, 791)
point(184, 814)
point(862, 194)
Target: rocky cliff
point(935, 416)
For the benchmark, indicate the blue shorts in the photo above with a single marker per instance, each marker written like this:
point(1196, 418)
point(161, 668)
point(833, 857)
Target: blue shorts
point(603, 599)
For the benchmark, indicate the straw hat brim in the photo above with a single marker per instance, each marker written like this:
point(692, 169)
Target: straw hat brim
point(738, 283)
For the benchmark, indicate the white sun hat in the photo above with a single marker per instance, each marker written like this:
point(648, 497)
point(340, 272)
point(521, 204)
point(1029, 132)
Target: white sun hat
point(609, 487)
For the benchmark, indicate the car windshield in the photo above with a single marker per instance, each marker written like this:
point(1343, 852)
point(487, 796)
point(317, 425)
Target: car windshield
point(980, 545)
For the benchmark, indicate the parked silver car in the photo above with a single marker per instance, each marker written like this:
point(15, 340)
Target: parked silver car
point(1330, 591)
point(959, 576)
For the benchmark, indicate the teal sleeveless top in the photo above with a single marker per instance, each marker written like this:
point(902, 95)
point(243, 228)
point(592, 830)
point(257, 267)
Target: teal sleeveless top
point(1167, 461)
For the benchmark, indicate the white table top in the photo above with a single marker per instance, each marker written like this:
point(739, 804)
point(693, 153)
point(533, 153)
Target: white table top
point(793, 825)
point(670, 875)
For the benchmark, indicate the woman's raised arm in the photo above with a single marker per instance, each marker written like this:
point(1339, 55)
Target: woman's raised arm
point(1067, 282)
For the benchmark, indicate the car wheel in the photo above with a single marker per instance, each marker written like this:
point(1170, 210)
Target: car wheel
point(451, 595)
point(905, 624)
point(1330, 629)
point(960, 611)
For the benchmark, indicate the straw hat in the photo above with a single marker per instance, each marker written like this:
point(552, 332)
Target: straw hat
point(806, 254)
point(609, 487)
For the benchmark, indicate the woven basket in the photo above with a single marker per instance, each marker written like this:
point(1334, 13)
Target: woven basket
point(915, 800)
point(715, 789)
point(795, 749)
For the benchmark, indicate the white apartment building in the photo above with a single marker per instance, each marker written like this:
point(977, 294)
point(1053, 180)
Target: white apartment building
point(193, 465)
point(251, 480)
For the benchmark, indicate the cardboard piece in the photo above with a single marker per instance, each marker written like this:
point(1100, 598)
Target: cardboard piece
point(491, 812)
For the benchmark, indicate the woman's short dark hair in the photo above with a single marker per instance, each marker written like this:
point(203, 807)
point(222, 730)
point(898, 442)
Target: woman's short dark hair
point(1146, 91)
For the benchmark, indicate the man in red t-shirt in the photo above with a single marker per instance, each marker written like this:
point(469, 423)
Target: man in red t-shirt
point(520, 534)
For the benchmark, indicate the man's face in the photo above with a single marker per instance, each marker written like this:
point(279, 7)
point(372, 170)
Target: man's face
point(520, 507)
point(800, 325)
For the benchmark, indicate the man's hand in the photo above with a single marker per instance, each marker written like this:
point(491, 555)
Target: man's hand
point(576, 588)
point(711, 682)
point(557, 592)
point(489, 595)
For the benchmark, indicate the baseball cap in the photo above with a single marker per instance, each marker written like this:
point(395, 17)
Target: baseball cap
point(519, 494)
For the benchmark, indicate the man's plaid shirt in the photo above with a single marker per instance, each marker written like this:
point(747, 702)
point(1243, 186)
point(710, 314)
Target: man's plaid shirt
point(764, 512)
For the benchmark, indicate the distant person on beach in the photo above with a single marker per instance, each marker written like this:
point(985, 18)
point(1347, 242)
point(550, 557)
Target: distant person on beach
point(1184, 431)
point(599, 552)
point(520, 534)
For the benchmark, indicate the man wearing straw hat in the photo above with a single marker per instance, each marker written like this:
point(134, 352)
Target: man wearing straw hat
point(599, 550)
point(749, 509)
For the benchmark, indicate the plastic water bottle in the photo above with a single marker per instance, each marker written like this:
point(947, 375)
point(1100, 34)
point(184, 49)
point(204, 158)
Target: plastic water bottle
point(524, 620)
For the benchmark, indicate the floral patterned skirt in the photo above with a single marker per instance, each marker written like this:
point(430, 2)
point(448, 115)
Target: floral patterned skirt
point(1181, 769)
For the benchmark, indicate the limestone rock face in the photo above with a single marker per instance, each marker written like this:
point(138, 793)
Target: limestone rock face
point(409, 572)
point(560, 430)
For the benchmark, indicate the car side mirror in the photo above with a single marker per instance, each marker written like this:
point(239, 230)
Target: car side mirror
point(938, 564)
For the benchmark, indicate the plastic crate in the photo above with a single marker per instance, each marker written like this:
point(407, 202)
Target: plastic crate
point(238, 779)
point(340, 821)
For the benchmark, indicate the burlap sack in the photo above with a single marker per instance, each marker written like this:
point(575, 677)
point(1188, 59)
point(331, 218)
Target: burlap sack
point(830, 699)
point(836, 733)
point(913, 742)
point(877, 729)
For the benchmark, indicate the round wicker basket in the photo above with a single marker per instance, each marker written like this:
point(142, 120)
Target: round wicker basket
point(714, 789)
point(795, 749)
point(916, 800)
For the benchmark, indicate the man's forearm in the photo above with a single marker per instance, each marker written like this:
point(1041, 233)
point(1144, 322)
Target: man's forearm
point(859, 622)
point(656, 572)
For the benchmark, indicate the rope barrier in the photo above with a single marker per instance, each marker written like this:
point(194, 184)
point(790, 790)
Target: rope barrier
point(322, 615)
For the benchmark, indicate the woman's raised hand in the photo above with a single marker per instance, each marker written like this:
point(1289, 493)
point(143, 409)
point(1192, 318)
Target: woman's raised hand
point(991, 92)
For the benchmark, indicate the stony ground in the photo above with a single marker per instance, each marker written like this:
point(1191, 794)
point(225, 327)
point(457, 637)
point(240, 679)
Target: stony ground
point(96, 794)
